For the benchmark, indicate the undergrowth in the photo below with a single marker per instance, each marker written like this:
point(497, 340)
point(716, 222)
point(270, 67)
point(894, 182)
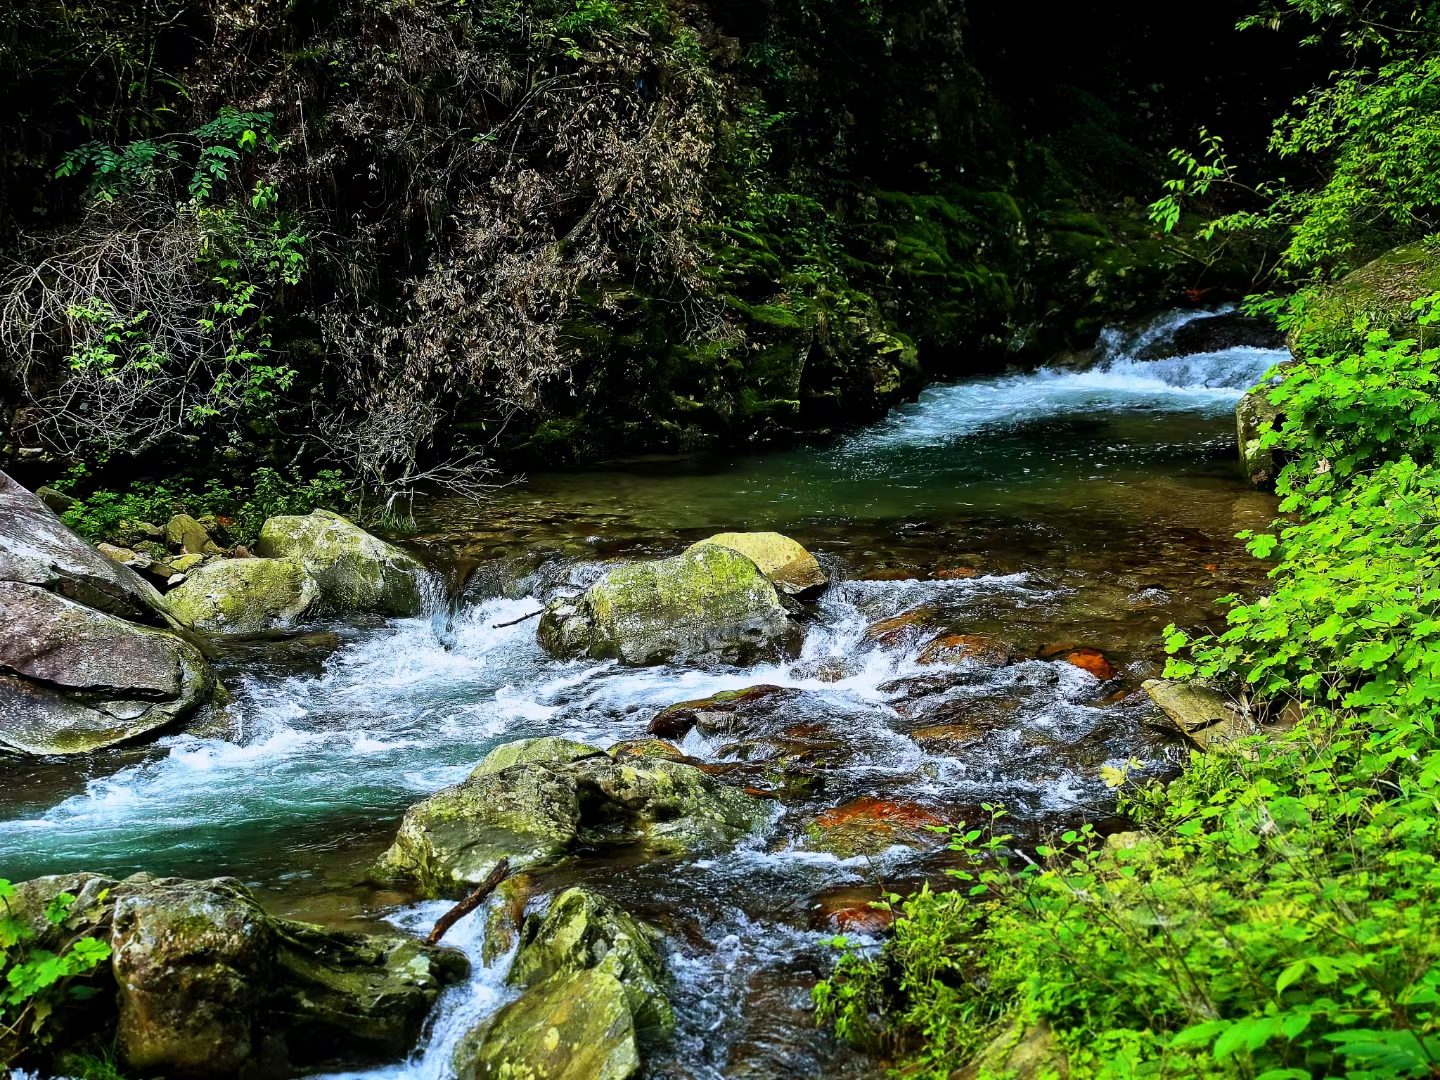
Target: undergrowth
point(104, 514)
point(1279, 917)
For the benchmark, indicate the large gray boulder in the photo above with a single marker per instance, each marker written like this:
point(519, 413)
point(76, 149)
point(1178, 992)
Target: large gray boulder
point(90, 654)
point(709, 603)
point(36, 548)
point(76, 679)
point(355, 571)
point(203, 982)
point(554, 798)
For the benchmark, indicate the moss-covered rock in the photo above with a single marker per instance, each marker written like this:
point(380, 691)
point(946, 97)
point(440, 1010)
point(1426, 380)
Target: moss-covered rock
point(710, 602)
point(1200, 713)
point(549, 750)
point(1377, 296)
point(528, 814)
point(203, 982)
point(584, 930)
point(790, 568)
point(535, 811)
point(76, 679)
point(1261, 464)
point(245, 596)
point(569, 1027)
point(355, 571)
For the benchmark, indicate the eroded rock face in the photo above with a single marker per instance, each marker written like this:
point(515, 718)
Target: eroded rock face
point(534, 811)
point(90, 654)
point(354, 570)
point(790, 568)
point(245, 596)
point(709, 603)
point(211, 985)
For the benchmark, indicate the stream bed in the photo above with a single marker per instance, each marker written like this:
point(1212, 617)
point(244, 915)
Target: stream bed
point(1054, 511)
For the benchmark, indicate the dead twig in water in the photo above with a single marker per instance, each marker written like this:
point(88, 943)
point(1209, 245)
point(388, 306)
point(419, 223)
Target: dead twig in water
point(512, 622)
point(470, 903)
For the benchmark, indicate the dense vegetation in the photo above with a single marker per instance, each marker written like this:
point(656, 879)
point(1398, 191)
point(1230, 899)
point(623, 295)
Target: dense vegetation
point(403, 240)
point(1278, 916)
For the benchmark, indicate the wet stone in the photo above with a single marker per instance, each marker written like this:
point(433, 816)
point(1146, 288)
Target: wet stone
point(730, 712)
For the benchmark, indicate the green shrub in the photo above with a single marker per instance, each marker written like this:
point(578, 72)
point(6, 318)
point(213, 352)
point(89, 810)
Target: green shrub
point(37, 980)
point(1278, 919)
point(103, 514)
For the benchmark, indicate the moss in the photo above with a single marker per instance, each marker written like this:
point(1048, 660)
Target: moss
point(1377, 296)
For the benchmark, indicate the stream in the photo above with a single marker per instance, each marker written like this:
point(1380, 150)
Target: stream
point(1053, 510)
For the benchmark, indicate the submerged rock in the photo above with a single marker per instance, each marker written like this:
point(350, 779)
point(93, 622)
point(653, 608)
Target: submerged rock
point(536, 810)
point(790, 568)
point(245, 596)
point(355, 571)
point(869, 826)
point(569, 1027)
point(209, 984)
point(962, 648)
point(730, 712)
point(708, 603)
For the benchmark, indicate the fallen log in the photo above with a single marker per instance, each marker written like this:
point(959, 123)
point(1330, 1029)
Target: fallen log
point(470, 903)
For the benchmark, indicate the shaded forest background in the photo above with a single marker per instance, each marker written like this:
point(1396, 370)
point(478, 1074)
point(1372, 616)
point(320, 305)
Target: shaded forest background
point(412, 240)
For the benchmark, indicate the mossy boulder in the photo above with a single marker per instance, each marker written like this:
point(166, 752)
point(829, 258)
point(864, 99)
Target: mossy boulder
point(535, 811)
point(569, 1027)
point(1254, 410)
point(549, 750)
point(76, 679)
point(203, 982)
point(1021, 1052)
point(709, 603)
point(355, 571)
point(528, 814)
point(1200, 713)
point(1377, 296)
point(790, 568)
point(245, 596)
point(584, 930)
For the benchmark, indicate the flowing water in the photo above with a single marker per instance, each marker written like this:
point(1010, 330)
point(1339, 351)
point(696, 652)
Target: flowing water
point(1053, 510)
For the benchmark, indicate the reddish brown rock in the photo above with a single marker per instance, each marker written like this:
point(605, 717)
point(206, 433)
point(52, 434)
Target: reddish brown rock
point(897, 629)
point(1093, 661)
point(852, 911)
point(956, 648)
point(870, 825)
